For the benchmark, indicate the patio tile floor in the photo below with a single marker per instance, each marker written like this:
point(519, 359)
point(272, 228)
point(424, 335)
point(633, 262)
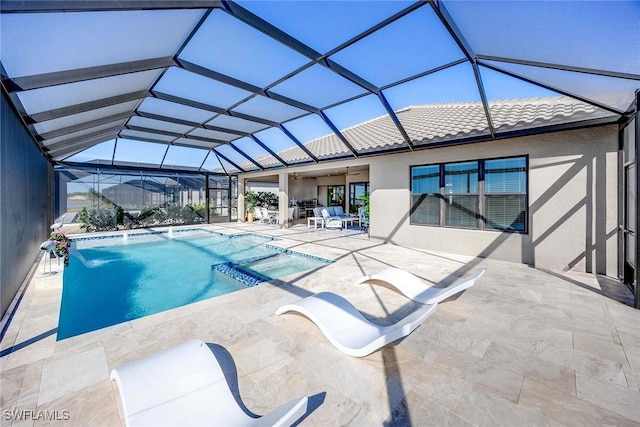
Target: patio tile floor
point(522, 347)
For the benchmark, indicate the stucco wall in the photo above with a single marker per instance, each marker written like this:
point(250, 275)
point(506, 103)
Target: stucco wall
point(26, 201)
point(302, 188)
point(572, 202)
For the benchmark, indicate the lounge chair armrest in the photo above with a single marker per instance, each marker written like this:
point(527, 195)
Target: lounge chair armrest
point(285, 415)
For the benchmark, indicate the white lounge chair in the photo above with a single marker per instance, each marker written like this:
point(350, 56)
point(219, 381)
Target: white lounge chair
point(185, 385)
point(416, 289)
point(345, 327)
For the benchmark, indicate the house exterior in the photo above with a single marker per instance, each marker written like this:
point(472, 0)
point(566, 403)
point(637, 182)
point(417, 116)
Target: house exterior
point(569, 194)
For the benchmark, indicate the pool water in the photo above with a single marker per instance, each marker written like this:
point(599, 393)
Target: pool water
point(109, 284)
point(278, 266)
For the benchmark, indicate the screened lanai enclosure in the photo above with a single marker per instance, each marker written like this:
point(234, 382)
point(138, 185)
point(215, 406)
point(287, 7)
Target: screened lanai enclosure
point(170, 105)
point(144, 199)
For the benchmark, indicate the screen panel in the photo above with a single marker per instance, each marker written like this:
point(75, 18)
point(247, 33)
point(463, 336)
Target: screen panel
point(365, 124)
point(192, 86)
point(146, 135)
point(516, 104)
point(87, 116)
point(318, 86)
point(214, 134)
point(72, 40)
point(432, 109)
point(84, 132)
point(413, 44)
point(324, 25)
point(98, 154)
point(211, 163)
point(50, 98)
point(236, 123)
point(267, 108)
point(227, 45)
point(317, 136)
point(137, 153)
point(283, 146)
point(184, 158)
point(610, 91)
point(237, 158)
point(160, 125)
point(256, 152)
point(577, 33)
point(177, 111)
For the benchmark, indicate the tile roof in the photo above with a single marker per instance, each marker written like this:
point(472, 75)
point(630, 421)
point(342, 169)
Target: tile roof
point(432, 123)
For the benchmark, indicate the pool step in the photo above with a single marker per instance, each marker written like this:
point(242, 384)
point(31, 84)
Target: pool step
point(252, 278)
point(245, 277)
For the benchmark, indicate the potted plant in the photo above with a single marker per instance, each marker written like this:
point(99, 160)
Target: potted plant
point(250, 200)
point(62, 243)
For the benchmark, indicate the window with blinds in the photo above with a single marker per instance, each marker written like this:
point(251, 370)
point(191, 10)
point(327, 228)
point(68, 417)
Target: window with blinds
point(425, 195)
point(461, 194)
point(484, 194)
point(505, 189)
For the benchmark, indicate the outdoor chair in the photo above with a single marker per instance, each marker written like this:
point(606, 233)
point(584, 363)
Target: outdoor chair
point(330, 221)
point(257, 214)
point(345, 327)
point(416, 289)
point(364, 219)
point(268, 217)
point(186, 385)
point(338, 211)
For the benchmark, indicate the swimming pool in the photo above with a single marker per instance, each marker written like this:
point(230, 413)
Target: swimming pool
point(113, 279)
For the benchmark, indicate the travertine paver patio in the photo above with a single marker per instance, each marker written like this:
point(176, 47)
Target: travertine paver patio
point(521, 347)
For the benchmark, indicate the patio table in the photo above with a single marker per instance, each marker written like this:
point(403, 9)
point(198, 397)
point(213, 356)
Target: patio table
point(349, 220)
point(315, 220)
